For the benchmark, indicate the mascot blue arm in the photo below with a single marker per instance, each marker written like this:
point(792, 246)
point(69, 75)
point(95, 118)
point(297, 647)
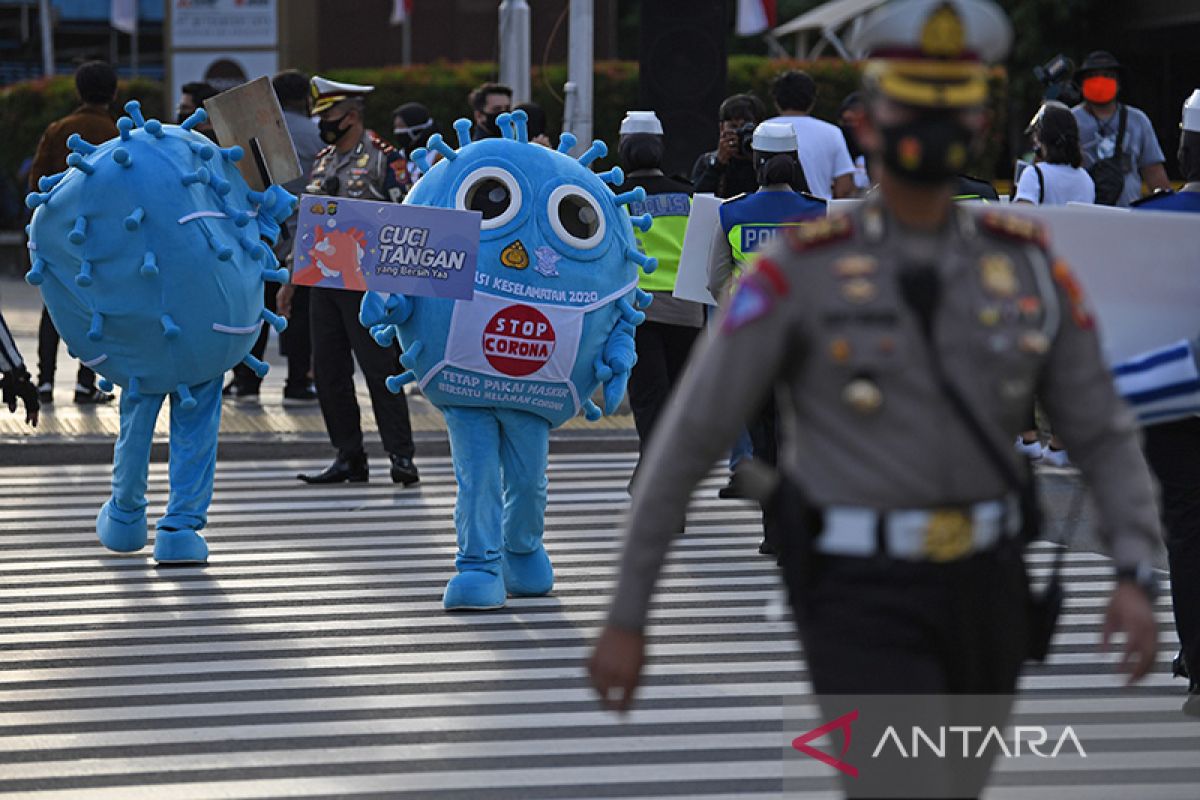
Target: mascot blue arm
point(156, 230)
point(552, 320)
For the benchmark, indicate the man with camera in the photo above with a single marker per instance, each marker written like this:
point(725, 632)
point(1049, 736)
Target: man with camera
point(1120, 149)
point(729, 170)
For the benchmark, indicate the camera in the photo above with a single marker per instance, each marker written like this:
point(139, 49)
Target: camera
point(745, 139)
point(1055, 76)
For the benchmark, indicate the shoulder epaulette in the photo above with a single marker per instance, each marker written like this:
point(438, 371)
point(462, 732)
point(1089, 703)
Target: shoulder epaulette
point(325, 151)
point(819, 232)
point(380, 143)
point(1013, 226)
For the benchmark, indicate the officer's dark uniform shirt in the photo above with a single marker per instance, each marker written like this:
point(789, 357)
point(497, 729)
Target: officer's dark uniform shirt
point(372, 170)
point(820, 317)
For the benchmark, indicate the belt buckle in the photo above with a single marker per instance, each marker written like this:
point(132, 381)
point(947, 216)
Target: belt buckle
point(947, 535)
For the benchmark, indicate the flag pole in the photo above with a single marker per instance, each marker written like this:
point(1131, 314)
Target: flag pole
point(47, 38)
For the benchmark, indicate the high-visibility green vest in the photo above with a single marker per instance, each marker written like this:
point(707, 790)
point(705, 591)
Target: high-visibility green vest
point(664, 240)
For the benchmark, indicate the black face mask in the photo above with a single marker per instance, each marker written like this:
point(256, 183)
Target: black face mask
point(332, 130)
point(929, 150)
point(640, 151)
point(489, 125)
point(777, 168)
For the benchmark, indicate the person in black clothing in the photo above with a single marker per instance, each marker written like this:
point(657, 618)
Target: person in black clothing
point(488, 101)
point(729, 170)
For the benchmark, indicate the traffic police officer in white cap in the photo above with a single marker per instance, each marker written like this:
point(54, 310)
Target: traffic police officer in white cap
point(905, 341)
point(360, 165)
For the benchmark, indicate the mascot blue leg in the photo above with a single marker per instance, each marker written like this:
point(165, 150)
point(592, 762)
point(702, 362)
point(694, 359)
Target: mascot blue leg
point(524, 452)
point(475, 447)
point(192, 466)
point(121, 523)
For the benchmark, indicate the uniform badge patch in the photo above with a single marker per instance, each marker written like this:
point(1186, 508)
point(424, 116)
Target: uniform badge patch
point(1066, 279)
point(998, 275)
point(859, 291)
point(515, 256)
point(751, 301)
point(855, 267)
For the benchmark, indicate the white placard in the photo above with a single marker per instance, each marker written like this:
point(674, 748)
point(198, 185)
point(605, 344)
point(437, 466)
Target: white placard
point(223, 23)
point(1140, 271)
point(704, 222)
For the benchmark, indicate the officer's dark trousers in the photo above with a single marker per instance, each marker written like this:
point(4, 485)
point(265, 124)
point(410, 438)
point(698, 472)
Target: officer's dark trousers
point(339, 339)
point(1173, 451)
point(879, 626)
point(662, 351)
point(298, 347)
point(48, 339)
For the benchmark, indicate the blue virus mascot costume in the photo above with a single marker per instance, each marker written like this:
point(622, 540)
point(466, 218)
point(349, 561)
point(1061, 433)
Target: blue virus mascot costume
point(552, 320)
point(149, 255)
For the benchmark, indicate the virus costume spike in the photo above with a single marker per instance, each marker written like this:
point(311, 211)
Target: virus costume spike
point(511, 368)
point(147, 319)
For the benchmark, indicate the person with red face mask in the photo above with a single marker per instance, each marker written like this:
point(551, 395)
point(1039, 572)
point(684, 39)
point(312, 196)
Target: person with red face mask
point(1118, 140)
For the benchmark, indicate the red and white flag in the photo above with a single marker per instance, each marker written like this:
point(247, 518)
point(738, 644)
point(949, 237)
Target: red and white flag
point(401, 11)
point(755, 17)
point(123, 15)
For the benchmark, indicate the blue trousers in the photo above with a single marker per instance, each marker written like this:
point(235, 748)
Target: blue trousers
point(193, 459)
point(500, 460)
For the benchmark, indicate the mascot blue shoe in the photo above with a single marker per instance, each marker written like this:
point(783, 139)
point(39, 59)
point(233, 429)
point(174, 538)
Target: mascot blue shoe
point(551, 321)
point(120, 531)
point(180, 547)
point(474, 590)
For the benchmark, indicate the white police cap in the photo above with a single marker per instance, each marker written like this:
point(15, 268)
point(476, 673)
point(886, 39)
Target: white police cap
point(1191, 113)
point(641, 122)
point(326, 93)
point(933, 53)
point(774, 137)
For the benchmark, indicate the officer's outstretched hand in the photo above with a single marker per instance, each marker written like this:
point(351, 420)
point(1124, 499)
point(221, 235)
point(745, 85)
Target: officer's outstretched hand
point(16, 385)
point(616, 666)
point(1130, 612)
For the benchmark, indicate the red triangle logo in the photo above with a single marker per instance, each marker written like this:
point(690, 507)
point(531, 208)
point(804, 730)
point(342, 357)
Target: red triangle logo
point(842, 723)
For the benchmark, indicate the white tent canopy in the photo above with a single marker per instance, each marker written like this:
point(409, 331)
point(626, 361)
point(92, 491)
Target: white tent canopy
point(833, 23)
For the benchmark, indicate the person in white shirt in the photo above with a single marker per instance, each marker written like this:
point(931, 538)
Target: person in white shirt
point(1057, 177)
point(1054, 179)
point(822, 147)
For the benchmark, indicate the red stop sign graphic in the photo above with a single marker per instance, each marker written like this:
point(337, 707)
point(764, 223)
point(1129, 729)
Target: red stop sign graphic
point(518, 341)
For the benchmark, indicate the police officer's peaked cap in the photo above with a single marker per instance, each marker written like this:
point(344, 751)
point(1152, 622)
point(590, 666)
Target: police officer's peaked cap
point(326, 93)
point(1098, 61)
point(641, 122)
point(1191, 113)
point(774, 137)
point(933, 53)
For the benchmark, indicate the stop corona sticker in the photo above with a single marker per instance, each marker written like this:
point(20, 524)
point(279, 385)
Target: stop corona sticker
point(518, 341)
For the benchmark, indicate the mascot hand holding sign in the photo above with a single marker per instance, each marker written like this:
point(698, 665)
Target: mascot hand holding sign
point(552, 320)
point(148, 255)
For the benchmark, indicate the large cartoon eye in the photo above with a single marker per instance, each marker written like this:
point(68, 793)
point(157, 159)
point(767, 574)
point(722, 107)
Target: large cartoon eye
point(492, 192)
point(576, 217)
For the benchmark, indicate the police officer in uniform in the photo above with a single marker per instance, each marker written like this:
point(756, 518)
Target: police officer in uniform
point(1171, 448)
point(360, 165)
point(910, 321)
point(665, 339)
point(748, 222)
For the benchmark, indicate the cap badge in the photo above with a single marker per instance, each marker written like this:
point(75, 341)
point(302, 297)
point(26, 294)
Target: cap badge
point(943, 35)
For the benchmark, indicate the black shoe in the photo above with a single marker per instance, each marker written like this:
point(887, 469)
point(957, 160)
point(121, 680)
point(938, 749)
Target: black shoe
point(352, 469)
point(766, 548)
point(1179, 667)
point(45, 393)
point(731, 490)
point(303, 396)
point(404, 470)
point(240, 393)
point(1191, 706)
point(91, 396)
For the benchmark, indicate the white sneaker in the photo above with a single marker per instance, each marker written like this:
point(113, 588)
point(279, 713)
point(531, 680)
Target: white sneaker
point(1055, 458)
point(1031, 450)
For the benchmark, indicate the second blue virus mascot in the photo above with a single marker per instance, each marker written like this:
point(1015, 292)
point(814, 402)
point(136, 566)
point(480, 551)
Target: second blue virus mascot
point(148, 254)
point(552, 320)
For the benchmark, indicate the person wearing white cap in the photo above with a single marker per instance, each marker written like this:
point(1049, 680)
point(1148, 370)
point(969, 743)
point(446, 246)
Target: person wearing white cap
point(1168, 403)
point(360, 165)
point(665, 339)
point(904, 341)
